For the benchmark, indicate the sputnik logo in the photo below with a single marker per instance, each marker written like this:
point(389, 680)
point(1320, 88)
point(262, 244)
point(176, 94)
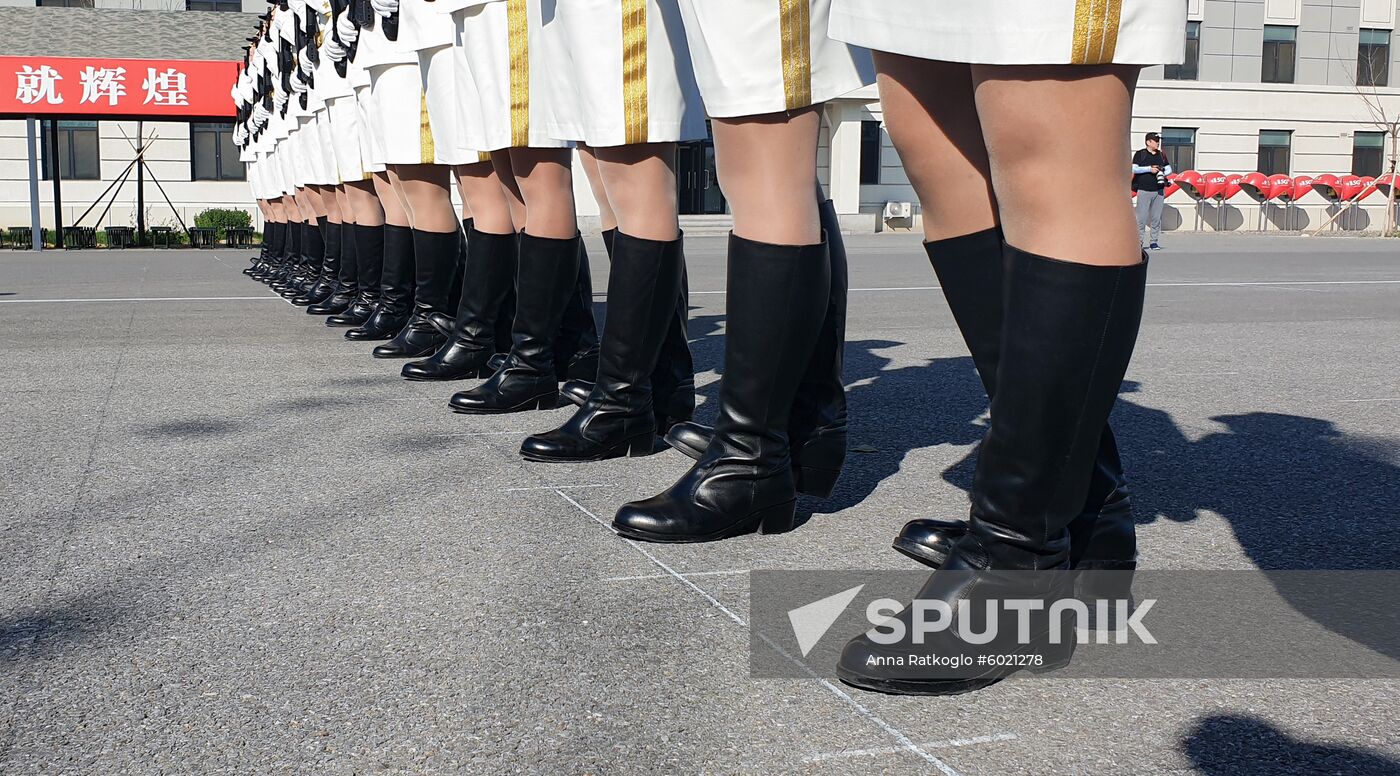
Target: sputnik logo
point(812, 621)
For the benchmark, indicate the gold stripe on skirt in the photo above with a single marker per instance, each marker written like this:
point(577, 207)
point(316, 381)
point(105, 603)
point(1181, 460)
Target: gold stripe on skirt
point(634, 72)
point(796, 20)
point(1095, 31)
point(427, 150)
point(518, 23)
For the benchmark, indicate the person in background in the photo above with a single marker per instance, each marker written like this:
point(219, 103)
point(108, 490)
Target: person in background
point(1150, 171)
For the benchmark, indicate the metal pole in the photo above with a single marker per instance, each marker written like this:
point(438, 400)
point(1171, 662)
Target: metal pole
point(140, 188)
point(36, 227)
point(56, 167)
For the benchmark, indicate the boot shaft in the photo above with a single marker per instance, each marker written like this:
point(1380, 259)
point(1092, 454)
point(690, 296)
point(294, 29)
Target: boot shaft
point(369, 259)
point(1069, 332)
point(434, 267)
point(488, 278)
point(396, 279)
point(349, 268)
point(546, 281)
point(643, 284)
point(776, 297)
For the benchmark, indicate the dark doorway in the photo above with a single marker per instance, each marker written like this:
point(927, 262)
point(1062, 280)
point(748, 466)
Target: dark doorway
point(696, 178)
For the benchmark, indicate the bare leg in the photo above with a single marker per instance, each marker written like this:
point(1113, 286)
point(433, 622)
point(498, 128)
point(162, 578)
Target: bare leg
point(364, 203)
point(425, 193)
point(930, 114)
point(395, 212)
point(1038, 122)
point(766, 168)
point(331, 203)
point(342, 201)
point(546, 185)
point(504, 165)
point(639, 182)
point(589, 160)
point(484, 199)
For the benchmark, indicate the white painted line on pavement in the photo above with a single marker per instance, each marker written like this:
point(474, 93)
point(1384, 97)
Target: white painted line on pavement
point(668, 576)
point(557, 487)
point(147, 299)
point(949, 744)
point(906, 744)
point(1355, 401)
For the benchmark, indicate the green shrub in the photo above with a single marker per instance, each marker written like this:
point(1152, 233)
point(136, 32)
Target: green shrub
point(222, 219)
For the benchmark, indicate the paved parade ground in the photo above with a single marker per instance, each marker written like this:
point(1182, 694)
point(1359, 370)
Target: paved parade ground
point(233, 542)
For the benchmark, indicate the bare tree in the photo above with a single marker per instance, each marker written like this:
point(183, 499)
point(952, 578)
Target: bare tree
point(1363, 79)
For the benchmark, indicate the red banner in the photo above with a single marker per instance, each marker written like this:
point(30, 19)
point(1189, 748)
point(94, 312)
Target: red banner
point(154, 88)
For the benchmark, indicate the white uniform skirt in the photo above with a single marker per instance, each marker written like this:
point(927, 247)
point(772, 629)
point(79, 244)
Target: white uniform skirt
point(438, 74)
point(330, 168)
point(364, 111)
point(296, 148)
point(765, 56)
point(285, 155)
point(500, 62)
point(399, 112)
point(624, 73)
point(1018, 32)
point(345, 138)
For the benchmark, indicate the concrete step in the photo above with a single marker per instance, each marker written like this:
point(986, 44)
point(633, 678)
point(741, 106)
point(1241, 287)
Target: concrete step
point(708, 225)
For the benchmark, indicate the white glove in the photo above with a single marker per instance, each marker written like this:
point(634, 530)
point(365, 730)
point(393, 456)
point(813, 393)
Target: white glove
point(299, 86)
point(280, 99)
point(347, 29)
point(305, 64)
point(261, 115)
point(384, 7)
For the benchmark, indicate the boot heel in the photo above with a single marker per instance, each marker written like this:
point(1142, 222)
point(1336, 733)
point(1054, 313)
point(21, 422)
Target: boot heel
point(818, 463)
point(816, 482)
point(777, 519)
point(546, 402)
point(640, 445)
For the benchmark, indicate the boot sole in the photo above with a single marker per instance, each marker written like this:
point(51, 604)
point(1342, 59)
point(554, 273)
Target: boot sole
point(478, 374)
point(776, 519)
point(548, 402)
point(920, 553)
point(636, 447)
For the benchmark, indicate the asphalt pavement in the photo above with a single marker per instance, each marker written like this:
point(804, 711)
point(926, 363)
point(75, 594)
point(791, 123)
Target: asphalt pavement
point(231, 542)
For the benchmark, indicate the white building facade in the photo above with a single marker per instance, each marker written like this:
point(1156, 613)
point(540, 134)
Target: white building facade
point(1275, 86)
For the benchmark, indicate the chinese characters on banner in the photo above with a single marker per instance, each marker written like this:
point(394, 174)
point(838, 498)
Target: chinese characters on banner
point(128, 87)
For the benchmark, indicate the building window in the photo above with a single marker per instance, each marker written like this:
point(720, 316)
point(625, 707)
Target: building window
point(1368, 154)
point(235, 6)
point(1179, 146)
point(1275, 151)
point(1373, 58)
point(870, 140)
point(63, 3)
point(1280, 52)
point(213, 156)
point(78, 158)
point(1190, 69)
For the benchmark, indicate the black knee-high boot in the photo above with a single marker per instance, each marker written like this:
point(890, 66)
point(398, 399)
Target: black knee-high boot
point(328, 275)
point(546, 277)
point(776, 300)
point(273, 233)
point(818, 424)
point(576, 345)
point(290, 258)
point(673, 379)
point(395, 305)
point(473, 339)
point(369, 268)
point(344, 294)
point(971, 271)
point(617, 418)
point(1068, 335)
point(434, 268)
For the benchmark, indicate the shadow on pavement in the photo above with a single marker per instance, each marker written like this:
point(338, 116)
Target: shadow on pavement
point(1238, 745)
